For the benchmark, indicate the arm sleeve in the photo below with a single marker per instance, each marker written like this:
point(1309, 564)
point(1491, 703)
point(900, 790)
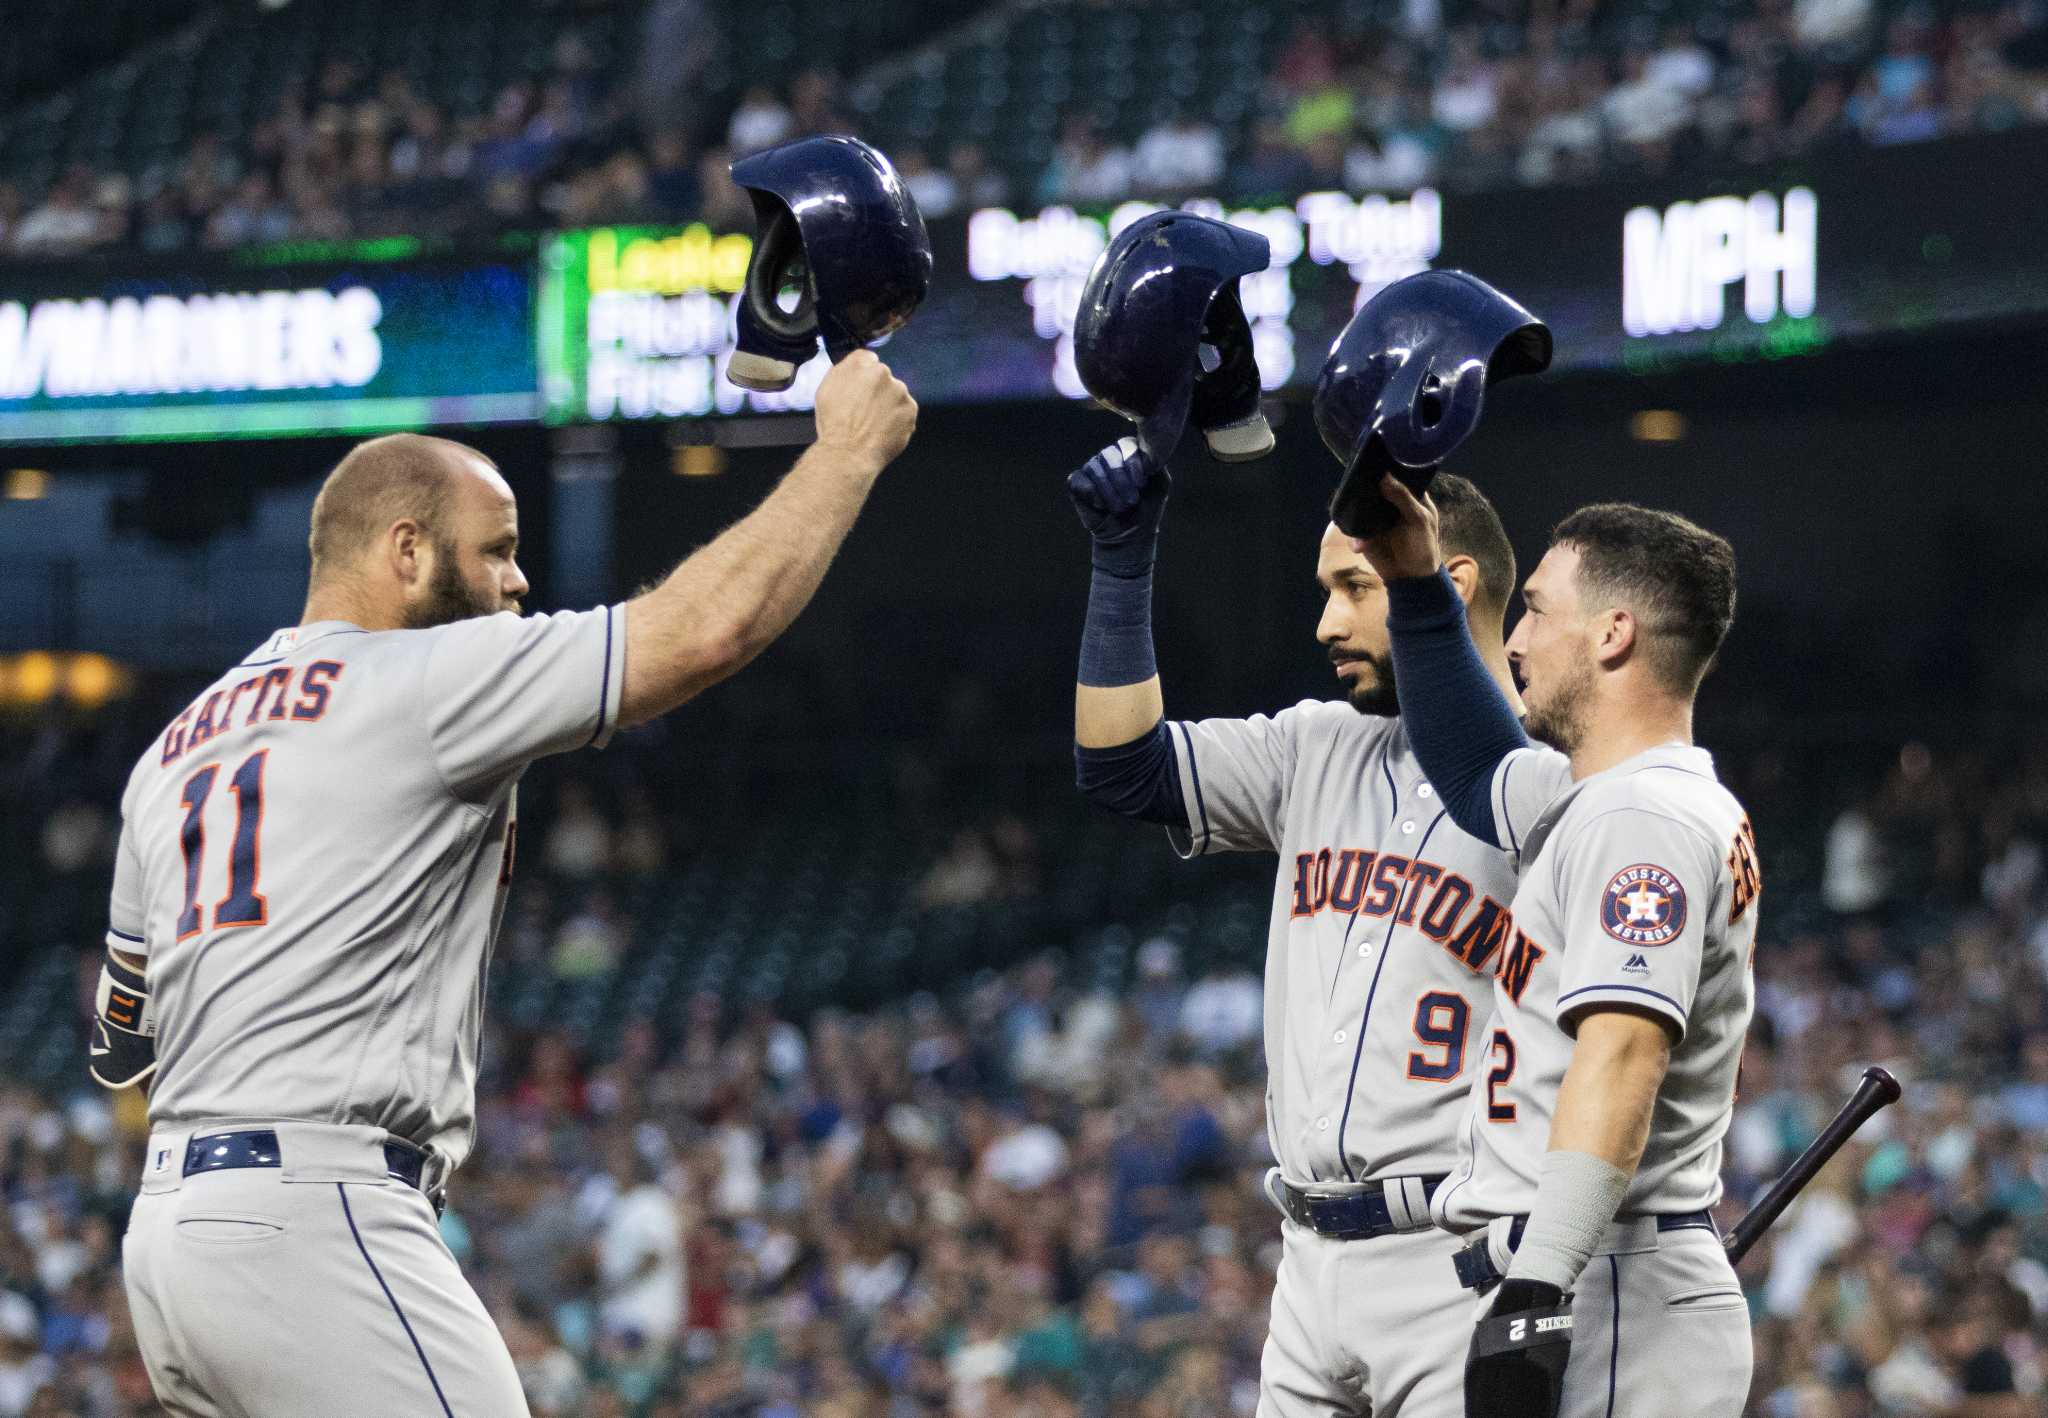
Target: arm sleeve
point(1136, 779)
point(1233, 777)
point(504, 690)
point(1458, 721)
point(1636, 888)
point(125, 927)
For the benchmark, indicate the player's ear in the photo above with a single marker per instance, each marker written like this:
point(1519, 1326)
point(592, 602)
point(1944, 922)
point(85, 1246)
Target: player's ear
point(1616, 636)
point(406, 545)
point(1464, 575)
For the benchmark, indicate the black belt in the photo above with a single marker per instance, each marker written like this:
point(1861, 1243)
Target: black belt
point(1476, 1270)
point(257, 1147)
point(1349, 1215)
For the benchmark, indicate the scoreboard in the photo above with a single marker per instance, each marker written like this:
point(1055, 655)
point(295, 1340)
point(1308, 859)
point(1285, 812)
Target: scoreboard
point(635, 322)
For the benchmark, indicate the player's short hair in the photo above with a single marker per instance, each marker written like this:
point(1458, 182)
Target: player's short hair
point(380, 482)
point(1676, 577)
point(1469, 526)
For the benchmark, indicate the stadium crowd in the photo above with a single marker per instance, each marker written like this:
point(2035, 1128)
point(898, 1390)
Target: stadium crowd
point(1522, 96)
point(1032, 1192)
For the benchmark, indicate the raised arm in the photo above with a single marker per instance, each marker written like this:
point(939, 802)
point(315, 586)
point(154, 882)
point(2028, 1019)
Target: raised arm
point(1122, 759)
point(1457, 719)
point(729, 600)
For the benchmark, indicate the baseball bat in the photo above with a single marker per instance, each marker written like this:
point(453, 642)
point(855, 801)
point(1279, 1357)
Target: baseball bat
point(1877, 1090)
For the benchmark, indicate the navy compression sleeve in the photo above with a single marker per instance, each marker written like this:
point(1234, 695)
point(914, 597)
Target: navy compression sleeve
point(1116, 640)
point(1137, 779)
point(1459, 722)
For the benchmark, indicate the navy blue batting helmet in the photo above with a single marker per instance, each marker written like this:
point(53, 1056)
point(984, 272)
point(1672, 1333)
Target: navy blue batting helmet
point(1162, 293)
point(1404, 383)
point(837, 225)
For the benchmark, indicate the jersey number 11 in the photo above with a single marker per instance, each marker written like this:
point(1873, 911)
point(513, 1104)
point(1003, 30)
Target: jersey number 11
point(244, 905)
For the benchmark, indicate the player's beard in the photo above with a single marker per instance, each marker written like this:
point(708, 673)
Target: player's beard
point(449, 597)
point(1560, 720)
point(1376, 698)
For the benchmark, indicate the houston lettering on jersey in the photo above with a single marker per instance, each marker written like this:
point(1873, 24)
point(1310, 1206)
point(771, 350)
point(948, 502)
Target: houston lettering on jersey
point(272, 694)
point(1353, 881)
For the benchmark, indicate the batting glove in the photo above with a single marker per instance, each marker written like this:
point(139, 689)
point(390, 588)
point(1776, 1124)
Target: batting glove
point(1120, 495)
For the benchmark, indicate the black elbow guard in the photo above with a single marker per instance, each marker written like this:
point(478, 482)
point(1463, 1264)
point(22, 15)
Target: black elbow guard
point(123, 1048)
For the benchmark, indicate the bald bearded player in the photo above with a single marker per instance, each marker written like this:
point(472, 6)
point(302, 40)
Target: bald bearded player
point(313, 865)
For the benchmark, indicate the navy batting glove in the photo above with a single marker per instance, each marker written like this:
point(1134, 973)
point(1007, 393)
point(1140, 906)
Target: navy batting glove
point(1120, 494)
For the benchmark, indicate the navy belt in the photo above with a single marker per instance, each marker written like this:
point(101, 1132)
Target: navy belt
point(1476, 1270)
point(1349, 1215)
point(257, 1147)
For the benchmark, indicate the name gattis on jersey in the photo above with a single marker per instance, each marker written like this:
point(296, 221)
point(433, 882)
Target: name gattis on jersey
point(209, 718)
point(1643, 905)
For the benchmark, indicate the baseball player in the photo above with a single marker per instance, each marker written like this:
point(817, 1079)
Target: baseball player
point(313, 864)
point(1593, 1144)
point(1387, 921)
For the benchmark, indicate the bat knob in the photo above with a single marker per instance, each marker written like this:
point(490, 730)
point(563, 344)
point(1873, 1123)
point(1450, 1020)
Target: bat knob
point(1887, 1086)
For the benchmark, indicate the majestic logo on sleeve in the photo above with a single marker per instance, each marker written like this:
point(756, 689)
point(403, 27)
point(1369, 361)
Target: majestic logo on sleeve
point(1643, 905)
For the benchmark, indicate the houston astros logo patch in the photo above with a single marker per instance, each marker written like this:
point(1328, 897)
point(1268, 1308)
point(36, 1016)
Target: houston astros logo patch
point(1643, 905)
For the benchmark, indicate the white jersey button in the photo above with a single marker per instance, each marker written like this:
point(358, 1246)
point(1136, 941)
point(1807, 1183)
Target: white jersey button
point(1365, 949)
point(1425, 791)
point(1408, 827)
point(1338, 1037)
point(1322, 1124)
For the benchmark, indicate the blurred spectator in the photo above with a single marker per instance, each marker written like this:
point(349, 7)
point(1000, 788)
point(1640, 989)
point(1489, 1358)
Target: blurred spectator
point(1321, 113)
point(114, 211)
point(64, 220)
point(1467, 95)
point(814, 104)
point(1085, 166)
point(1274, 167)
point(965, 873)
point(1643, 114)
point(579, 845)
point(979, 184)
point(640, 1254)
point(1681, 63)
point(1853, 879)
point(1308, 61)
point(726, 207)
point(934, 189)
point(589, 942)
point(1821, 24)
point(1181, 155)
point(1400, 156)
point(75, 838)
point(672, 175)
point(640, 846)
point(252, 216)
point(1223, 1010)
point(24, 1369)
point(1566, 145)
point(760, 121)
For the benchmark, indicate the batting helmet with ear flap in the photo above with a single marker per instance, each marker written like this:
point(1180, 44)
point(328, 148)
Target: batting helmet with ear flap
point(1404, 383)
point(837, 226)
point(1161, 296)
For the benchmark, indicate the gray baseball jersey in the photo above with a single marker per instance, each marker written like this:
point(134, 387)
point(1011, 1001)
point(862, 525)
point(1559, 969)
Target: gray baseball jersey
point(1387, 922)
point(1638, 887)
point(314, 859)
